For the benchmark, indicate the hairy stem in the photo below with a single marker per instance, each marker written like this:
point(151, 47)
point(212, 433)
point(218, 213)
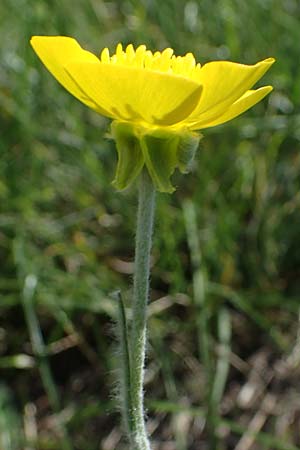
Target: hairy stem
point(138, 438)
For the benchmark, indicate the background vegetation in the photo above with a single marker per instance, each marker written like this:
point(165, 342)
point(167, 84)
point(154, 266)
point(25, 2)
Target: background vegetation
point(224, 313)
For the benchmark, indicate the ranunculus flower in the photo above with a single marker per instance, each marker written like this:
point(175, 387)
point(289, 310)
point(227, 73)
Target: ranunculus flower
point(157, 101)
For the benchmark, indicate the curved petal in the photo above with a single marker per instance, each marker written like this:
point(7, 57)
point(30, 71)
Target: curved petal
point(55, 52)
point(136, 94)
point(223, 83)
point(245, 102)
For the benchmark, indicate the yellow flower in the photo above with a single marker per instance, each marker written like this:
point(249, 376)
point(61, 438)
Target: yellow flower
point(155, 99)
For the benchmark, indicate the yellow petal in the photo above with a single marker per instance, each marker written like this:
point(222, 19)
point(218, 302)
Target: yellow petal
point(245, 102)
point(136, 94)
point(223, 83)
point(55, 52)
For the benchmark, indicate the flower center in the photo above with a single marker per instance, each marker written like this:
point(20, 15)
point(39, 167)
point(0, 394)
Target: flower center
point(164, 61)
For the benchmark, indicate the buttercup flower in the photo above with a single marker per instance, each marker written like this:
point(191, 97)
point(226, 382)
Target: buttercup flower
point(157, 101)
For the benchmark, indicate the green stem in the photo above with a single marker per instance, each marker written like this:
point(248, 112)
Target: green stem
point(145, 216)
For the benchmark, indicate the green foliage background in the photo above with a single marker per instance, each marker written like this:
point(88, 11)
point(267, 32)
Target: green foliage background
point(64, 226)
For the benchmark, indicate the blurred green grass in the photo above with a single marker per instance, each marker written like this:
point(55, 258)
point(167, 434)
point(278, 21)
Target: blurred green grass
point(62, 222)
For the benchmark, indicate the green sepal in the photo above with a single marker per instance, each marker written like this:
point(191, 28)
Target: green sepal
point(188, 144)
point(160, 150)
point(164, 151)
point(160, 153)
point(130, 155)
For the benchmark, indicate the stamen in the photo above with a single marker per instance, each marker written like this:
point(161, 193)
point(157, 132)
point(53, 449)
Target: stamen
point(164, 61)
point(119, 49)
point(139, 55)
point(105, 56)
point(168, 52)
point(190, 60)
point(148, 58)
point(130, 52)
